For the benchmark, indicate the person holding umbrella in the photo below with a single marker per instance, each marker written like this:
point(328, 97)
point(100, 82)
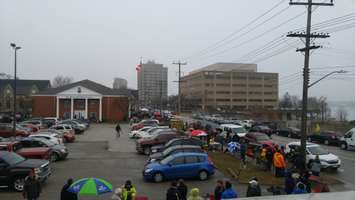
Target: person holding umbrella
point(65, 194)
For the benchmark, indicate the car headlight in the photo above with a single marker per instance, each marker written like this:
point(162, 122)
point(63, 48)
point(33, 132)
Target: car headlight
point(63, 150)
point(148, 170)
point(37, 170)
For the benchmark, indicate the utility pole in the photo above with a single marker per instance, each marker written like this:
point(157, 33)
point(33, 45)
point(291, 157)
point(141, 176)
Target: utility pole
point(179, 82)
point(307, 35)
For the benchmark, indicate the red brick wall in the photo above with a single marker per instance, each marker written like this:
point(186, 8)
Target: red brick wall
point(44, 106)
point(114, 109)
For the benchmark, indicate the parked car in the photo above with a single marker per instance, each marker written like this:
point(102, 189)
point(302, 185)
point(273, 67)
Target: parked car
point(177, 141)
point(32, 127)
point(53, 137)
point(67, 136)
point(152, 132)
point(59, 152)
point(260, 139)
point(328, 160)
point(6, 130)
point(84, 122)
point(78, 128)
point(289, 132)
point(14, 169)
point(133, 134)
point(143, 145)
point(33, 153)
point(49, 121)
point(325, 137)
point(155, 157)
point(348, 141)
point(143, 123)
point(262, 129)
point(235, 129)
point(63, 128)
point(180, 165)
point(36, 122)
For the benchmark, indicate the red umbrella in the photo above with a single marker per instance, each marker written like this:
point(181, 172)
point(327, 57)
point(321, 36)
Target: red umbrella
point(198, 133)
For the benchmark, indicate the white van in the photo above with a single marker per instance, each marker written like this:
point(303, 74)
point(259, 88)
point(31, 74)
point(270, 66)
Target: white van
point(348, 141)
point(236, 129)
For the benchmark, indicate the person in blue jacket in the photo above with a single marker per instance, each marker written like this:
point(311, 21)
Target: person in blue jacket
point(229, 193)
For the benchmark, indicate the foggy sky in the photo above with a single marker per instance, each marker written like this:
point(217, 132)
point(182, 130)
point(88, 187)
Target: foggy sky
point(103, 39)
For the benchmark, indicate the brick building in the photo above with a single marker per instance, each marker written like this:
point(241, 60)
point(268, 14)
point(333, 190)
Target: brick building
point(84, 99)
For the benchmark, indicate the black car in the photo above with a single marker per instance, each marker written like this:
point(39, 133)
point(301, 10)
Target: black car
point(262, 129)
point(59, 152)
point(172, 150)
point(78, 127)
point(14, 168)
point(289, 132)
point(177, 141)
point(325, 137)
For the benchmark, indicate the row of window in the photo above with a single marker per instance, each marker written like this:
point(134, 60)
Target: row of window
point(240, 92)
point(239, 85)
point(243, 100)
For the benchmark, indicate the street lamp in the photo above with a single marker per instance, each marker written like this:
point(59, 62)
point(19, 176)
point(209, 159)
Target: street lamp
point(325, 76)
point(15, 48)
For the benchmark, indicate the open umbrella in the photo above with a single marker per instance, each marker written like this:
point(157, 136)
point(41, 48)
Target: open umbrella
point(90, 187)
point(198, 133)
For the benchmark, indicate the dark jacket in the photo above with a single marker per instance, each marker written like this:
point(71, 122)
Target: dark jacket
point(182, 189)
point(118, 128)
point(32, 188)
point(218, 192)
point(172, 194)
point(253, 189)
point(65, 195)
point(289, 184)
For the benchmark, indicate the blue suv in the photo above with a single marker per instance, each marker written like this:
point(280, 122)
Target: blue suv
point(180, 165)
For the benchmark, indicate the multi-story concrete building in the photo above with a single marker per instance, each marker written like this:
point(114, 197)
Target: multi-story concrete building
point(119, 83)
point(152, 83)
point(230, 86)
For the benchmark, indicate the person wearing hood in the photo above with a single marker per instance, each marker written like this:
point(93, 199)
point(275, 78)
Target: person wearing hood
point(300, 189)
point(218, 190)
point(65, 194)
point(253, 188)
point(182, 189)
point(194, 194)
point(129, 192)
point(289, 182)
point(229, 193)
point(173, 192)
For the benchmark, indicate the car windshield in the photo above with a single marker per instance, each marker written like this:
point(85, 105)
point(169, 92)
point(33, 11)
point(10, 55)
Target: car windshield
point(166, 160)
point(262, 137)
point(12, 158)
point(47, 142)
point(239, 130)
point(168, 150)
point(316, 150)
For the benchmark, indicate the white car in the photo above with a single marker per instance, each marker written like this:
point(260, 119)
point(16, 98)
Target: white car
point(348, 141)
point(53, 137)
point(151, 132)
point(328, 160)
point(63, 128)
point(133, 134)
point(236, 129)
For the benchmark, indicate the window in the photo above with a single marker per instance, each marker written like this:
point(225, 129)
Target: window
point(267, 93)
point(239, 92)
point(239, 100)
point(201, 158)
point(267, 85)
point(270, 100)
point(177, 161)
point(223, 92)
point(66, 103)
point(59, 128)
point(255, 85)
point(223, 100)
point(26, 144)
point(255, 100)
point(254, 92)
point(239, 85)
point(191, 159)
point(222, 85)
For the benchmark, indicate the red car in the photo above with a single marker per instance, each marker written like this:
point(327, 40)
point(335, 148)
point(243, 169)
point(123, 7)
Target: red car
point(6, 131)
point(33, 152)
point(259, 139)
point(68, 137)
point(143, 123)
point(33, 128)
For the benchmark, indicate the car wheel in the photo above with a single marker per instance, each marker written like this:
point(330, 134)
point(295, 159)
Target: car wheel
point(203, 175)
point(326, 142)
point(146, 150)
point(344, 146)
point(54, 157)
point(158, 177)
point(18, 184)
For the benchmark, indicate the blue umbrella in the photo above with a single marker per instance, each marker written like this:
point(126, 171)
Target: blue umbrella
point(90, 187)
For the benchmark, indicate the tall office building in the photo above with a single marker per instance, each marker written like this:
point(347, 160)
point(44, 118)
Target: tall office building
point(119, 83)
point(152, 83)
point(231, 86)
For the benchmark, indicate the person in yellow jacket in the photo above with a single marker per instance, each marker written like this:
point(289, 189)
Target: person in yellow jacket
point(128, 191)
point(279, 164)
point(194, 194)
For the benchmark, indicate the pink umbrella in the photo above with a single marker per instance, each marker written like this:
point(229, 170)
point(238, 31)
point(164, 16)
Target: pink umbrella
point(198, 133)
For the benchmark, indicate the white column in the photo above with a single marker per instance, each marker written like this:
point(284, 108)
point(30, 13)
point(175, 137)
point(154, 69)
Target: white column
point(86, 108)
point(71, 108)
point(100, 109)
point(57, 108)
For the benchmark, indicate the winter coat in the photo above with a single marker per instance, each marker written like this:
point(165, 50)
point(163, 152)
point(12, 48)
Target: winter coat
point(289, 184)
point(253, 189)
point(32, 188)
point(66, 195)
point(172, 194)
point(279, 160)
point(218, 192)
point(129, 193)
point(229, 194)
point(194, 194)
point(182, 189)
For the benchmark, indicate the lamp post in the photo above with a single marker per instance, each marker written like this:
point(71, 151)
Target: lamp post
point(325, 76)
point(15, 48)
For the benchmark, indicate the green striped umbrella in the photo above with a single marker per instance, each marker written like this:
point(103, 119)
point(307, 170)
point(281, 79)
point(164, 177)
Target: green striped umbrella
point(90, 187)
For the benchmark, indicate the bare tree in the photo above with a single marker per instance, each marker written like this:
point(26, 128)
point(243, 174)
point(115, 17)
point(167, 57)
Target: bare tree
point(342, 114)
point(60, 80)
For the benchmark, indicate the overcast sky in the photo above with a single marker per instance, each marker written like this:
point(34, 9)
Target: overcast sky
point(102, 39)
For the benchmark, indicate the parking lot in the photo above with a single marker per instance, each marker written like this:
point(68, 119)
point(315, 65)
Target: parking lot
point(97, 153)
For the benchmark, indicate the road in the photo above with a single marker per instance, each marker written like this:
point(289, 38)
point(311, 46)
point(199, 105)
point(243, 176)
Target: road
point(345, 174)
